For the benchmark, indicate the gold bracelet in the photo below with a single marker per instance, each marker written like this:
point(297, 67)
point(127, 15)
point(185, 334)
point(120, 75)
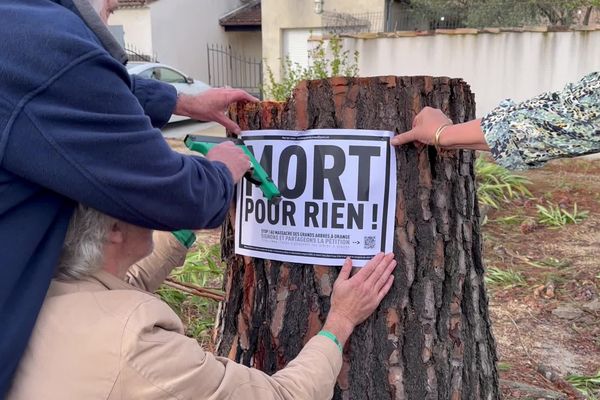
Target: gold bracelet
point(438, 133)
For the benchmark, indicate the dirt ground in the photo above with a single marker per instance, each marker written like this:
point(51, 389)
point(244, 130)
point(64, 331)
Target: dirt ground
point(552, 321)
point(547, 326)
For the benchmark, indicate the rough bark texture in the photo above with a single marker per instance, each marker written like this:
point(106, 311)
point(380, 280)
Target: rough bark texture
point(431, 337)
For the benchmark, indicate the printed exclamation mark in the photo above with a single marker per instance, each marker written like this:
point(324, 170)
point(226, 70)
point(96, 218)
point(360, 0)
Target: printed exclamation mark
point(374, 226)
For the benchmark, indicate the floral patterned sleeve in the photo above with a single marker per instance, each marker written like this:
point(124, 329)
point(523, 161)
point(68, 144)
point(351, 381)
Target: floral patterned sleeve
point(553, 125)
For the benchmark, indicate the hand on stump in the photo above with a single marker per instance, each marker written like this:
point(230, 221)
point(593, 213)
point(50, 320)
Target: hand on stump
point(355, 298)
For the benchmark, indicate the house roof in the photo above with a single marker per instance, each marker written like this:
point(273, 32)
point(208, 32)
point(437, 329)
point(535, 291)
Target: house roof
point(246, 17)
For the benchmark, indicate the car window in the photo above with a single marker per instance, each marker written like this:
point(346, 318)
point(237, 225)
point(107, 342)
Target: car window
point(146, 73)
point(169, 76)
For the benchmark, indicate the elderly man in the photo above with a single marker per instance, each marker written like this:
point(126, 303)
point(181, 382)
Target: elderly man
point(98, 337)
point(74, 127)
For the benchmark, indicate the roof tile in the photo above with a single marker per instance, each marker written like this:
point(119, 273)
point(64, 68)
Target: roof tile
point(247, 15)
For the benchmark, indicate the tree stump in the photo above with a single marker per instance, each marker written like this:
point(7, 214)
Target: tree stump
point(431, 336)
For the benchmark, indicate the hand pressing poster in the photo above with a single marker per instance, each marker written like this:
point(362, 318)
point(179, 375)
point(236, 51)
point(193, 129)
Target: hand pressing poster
point(338, 189)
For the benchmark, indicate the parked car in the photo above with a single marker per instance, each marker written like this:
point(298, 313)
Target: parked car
point(164, 73)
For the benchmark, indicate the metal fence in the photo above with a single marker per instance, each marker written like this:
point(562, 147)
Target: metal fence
point(135, 54)
point(227, 68)
point(502, 14)
point(336, 22)
point(409, 20)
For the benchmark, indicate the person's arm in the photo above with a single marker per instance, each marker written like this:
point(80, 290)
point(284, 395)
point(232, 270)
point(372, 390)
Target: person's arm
point(98, 148)
point(522, 135)
point(432, 123)
point(553, 125)
point(154, 334)
point(149, 273)
point(211, 105)
point(158, 99)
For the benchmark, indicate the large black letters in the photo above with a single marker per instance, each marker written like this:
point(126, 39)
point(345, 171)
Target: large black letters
point(332, 175)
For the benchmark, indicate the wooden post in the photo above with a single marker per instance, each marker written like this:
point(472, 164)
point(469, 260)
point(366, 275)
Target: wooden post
point(431, 336)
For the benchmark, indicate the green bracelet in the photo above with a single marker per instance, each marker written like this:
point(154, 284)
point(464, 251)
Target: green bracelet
point(185, 237)
point(331, 336)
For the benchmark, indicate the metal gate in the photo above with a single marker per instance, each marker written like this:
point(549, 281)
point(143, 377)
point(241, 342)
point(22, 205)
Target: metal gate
point(136, 55)
point(226, 68)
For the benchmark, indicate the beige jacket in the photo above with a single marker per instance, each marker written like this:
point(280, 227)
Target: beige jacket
point(104, 339)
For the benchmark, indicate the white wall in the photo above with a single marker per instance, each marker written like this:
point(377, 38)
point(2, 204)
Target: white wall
point(282, 15)
point(181, 29)
point(516, 65)
point(296, 46)
point(136, 26)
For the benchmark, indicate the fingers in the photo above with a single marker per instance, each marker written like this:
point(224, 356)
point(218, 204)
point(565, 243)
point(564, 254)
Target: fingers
point(346, 269)
point(424, 126)
point(357, 297)
point(227, 123)
point(368, 269)
point(225, 144)
point(242, 95)
point(385, 289)
point(404, 138)
point(416, 120)
point(232, 156)
point(386, 273)
point(230, 150)
point(380, 269)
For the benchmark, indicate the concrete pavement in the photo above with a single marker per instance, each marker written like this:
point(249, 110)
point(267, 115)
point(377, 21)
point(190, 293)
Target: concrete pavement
point(178, 130)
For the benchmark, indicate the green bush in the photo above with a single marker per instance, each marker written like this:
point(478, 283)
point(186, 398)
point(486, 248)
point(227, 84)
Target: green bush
point(555, 217)
point(202, 265)
point(496, 184)
point(322, 64)
point(589, 386)
point(506, 278)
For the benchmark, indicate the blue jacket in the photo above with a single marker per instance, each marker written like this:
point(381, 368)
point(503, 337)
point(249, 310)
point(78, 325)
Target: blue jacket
point(73, 128)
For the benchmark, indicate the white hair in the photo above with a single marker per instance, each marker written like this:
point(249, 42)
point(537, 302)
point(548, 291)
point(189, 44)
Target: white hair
point(83, 250)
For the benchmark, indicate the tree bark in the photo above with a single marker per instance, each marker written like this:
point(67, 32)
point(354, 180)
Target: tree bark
point(431, 336)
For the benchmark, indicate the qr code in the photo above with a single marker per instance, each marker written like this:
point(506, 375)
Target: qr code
point(369, 242)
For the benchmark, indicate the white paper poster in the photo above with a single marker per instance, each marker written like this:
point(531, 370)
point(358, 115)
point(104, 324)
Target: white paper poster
point(338, 190)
